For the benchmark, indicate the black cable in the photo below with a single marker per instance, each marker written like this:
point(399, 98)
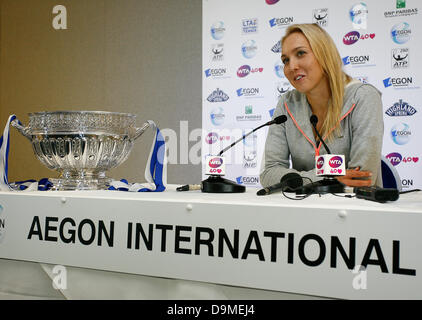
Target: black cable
point(344, 196)
point(408, 191)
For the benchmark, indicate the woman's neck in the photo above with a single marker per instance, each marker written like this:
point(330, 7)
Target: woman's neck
point(319, 97)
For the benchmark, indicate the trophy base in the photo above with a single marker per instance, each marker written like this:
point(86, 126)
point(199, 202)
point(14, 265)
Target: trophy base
point(80, 181)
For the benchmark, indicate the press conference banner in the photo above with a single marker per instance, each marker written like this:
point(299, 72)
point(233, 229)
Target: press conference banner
point(378, 40)
point(339, 253)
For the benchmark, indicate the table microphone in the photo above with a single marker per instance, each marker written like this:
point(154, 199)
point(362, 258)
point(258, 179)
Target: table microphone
point(288, 183)
point(314, 121)
point(328, 166)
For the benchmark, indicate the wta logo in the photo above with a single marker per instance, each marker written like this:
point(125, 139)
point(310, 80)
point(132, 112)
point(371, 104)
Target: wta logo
point(335, 162)
point(320, 162)
point(215, 163)
point(243, 71)
point(351, 38)
point(271, 1)
point(394, 157)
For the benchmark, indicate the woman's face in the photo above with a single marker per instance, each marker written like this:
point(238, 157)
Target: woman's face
point(301, 67)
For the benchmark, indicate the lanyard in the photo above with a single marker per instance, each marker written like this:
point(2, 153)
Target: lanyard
point(317, 149)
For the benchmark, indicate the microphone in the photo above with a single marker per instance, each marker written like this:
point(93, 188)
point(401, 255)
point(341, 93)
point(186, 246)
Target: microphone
point(215, 166)
point(314, 121)
point(328, 166)
point(277, 120)
point(288, 183)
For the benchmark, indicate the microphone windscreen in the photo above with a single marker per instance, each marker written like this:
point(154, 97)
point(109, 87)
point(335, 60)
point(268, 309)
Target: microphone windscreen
point(280, 119)
point(291, 181)
point(314, 119)
point(261, 192)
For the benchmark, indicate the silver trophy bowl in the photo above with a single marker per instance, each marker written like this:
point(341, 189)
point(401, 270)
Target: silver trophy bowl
point(81, 145)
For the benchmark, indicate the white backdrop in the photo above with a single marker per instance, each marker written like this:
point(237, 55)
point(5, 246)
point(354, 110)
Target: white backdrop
point(378, 40)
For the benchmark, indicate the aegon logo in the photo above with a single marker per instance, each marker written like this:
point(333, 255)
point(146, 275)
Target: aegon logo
point(401, 133)
point(215, 72)
point(335, 162)
point(397, 82)
point(355, 60)
point(251, 180)
point(320, 162)
point(401, 32)
point(406, 183)
point(216, 162)
point(217, 30)
point(280, 22)
point(247, 92)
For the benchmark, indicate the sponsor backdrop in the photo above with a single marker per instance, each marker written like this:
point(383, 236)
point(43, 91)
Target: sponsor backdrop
point(379, 42)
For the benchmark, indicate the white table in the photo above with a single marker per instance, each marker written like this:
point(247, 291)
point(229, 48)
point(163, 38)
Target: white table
point(194, 245)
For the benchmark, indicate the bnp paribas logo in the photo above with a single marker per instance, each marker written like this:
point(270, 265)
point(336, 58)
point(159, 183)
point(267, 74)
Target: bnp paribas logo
point(400, 4)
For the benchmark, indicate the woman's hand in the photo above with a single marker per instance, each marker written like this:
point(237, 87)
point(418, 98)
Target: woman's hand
point(356, 178)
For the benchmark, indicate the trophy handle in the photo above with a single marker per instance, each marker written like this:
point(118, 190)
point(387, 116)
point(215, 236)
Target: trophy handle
point(140, 131)
point(23, 130)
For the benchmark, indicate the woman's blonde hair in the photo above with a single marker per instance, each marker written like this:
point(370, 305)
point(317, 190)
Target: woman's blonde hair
point(327, 55)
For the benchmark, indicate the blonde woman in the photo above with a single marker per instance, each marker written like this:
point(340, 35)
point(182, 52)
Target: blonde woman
point(349, 113)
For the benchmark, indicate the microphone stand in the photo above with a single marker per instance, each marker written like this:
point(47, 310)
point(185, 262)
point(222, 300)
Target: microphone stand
point(218, 184)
